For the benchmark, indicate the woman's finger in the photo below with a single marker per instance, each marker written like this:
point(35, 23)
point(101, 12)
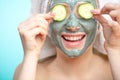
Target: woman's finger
point(38, 31)
point(109, 7)
point(37, 20)
point(115, 28)
point(115, 15)
point(105, 24)
point(101, 19)
point(47, 16)
point(32, 34)
point(34, 24)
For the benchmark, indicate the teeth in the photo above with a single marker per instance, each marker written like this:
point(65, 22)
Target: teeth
point(73, 38)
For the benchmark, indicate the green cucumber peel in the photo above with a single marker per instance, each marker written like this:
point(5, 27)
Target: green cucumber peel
point(84, 10)
point(60, 12)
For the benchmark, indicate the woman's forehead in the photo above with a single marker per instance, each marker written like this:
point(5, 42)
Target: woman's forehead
point(71, 1)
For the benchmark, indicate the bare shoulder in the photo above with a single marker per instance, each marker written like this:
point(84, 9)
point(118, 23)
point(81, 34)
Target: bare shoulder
point(43, 68)
point(101, 59)
point(100, 55)
point(42, 64)
point(102, 65)
point(17, 71)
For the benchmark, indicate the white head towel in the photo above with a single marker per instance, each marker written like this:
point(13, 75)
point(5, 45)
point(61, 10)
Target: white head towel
point(39, 6)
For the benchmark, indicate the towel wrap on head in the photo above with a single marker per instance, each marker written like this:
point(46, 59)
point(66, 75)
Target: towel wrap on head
point(40, 6)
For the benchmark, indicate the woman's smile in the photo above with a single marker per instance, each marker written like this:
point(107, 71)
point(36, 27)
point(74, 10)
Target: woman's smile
point(73, 40)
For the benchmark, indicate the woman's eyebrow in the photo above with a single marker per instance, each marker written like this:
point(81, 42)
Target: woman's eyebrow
point(60, 4)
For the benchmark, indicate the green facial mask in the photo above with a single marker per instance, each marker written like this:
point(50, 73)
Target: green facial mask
point(73, 35)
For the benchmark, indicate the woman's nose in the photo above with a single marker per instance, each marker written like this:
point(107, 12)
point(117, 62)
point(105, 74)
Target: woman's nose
point(73, 23)
point(73, 29)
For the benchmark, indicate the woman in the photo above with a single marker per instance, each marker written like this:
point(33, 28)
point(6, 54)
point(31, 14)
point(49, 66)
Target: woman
point(74, 36)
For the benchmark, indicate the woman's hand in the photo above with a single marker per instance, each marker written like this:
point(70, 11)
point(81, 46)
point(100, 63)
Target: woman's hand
point(111, 29)
point(33, 32)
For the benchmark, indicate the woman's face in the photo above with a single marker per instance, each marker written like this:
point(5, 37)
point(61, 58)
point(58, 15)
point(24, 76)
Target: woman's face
point(73, 35)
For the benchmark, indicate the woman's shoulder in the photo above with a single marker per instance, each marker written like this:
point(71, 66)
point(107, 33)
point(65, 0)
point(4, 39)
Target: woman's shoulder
point(100, 55)
point(44, 63)
point(46, 60)
point(43, 67)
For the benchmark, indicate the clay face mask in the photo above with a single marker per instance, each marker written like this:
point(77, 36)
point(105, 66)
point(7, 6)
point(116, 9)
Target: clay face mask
point(74, 34)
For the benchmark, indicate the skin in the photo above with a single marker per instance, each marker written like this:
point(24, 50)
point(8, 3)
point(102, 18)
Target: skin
point(89, 27)
point(88, 66)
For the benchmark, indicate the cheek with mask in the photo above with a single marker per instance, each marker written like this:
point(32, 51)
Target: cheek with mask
point(72, 33)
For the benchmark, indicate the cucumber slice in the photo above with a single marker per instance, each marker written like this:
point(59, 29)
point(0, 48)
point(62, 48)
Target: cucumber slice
point(84, 10)
point(60, 12)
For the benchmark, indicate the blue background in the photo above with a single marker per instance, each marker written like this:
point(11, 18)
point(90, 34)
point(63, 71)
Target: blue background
point(12, 12)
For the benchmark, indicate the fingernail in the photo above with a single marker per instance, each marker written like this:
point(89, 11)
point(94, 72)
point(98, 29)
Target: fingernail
point(95, 11)
point(52, 14)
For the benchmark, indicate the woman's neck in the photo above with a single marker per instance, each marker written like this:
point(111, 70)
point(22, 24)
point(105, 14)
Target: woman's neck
point(74, 65)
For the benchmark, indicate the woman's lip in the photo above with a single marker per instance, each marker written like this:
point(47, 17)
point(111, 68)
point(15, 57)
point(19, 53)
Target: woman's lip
point(73, 34)
point(73, 40)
